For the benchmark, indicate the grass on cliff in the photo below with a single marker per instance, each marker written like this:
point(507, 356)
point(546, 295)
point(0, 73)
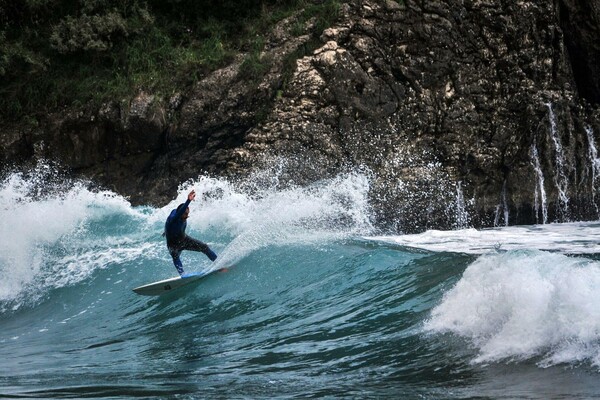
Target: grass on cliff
point(163, 59)
point(151, 62)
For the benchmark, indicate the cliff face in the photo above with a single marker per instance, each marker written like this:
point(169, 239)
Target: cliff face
point(481, 112)
point(464, 112)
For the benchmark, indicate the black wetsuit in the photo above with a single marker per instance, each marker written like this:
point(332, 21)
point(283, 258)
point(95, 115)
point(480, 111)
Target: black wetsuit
point(177, 240)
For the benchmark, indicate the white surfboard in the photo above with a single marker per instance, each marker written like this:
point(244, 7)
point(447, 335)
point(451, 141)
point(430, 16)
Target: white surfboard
point(167, 285)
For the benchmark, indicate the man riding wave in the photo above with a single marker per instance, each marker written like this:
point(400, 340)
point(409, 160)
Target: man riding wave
point(177, 240)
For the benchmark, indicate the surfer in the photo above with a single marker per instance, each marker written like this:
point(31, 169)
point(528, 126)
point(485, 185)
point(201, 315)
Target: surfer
point(177, 240)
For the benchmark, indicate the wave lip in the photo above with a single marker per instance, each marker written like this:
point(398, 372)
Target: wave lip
point(524, 305)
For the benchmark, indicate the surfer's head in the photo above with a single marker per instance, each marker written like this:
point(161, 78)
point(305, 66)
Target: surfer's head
point(186, 213)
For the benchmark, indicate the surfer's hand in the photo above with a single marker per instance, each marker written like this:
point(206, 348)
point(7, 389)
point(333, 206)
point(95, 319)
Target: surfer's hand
point(192, 195)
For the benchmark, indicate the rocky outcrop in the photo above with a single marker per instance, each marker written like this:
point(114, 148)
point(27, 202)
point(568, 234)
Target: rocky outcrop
point(471, 112)
point(114, 146)
point(451, 105)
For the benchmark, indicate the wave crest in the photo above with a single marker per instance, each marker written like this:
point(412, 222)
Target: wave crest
point(526, 304)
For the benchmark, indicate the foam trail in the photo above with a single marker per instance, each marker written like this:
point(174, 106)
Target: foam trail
point(569, 238)
point(526, 304)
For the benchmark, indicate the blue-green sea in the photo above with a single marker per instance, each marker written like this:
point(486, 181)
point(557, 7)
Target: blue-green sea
point(315, 303)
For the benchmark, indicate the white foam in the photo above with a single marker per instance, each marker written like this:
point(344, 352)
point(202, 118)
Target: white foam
point(79, 265)
point(270, 216)
point(525, 304)
point(560, 177)
point(571, 238)
point(32, 223)
point(540, 199)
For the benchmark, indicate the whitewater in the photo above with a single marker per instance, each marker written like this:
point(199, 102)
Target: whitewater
point(315, 301)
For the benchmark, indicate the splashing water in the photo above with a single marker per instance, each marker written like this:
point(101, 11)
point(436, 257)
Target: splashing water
point(462, 216)
point(36, 225)
point(502, 209)
point(524, 304)
point(594, 165)
point(560, 178)
point(593, 155)
point(327, 210)
point(540, 192)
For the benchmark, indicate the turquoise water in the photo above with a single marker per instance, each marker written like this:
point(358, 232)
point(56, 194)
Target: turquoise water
point(313, 303)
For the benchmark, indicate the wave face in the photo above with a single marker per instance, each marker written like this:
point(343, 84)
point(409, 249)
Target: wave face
point(311, 305)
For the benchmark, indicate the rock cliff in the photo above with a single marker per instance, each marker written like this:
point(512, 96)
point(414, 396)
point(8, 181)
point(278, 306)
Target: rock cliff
point(468, 112)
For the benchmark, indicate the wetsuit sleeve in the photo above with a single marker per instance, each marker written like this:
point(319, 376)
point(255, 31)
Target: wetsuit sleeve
point(179, 213)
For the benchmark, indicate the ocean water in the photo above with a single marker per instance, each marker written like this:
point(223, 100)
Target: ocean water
point(315, 302)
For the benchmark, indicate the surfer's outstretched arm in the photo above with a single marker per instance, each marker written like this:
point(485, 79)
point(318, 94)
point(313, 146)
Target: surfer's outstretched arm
point(181, 209)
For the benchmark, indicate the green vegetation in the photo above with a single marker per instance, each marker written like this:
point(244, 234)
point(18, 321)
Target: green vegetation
point(324, 14)
point(63, 53)
point(254, 65)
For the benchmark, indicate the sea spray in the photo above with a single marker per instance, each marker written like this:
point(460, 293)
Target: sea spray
point(525, 304)
point(540, 202)
point(593, 155)
point(594, 165)
point(461, 216)
point(326, 210)
point(412, 191)
point(502, 208)
point(560, 178)
point(30, 222)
